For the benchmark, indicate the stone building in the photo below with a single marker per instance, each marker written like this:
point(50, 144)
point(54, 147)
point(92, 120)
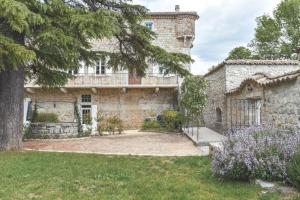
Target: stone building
point(248, 92)
point(99, 91)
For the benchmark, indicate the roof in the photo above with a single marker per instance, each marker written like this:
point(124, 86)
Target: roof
point(265, 80)
point(173, 14)
point(252, 62)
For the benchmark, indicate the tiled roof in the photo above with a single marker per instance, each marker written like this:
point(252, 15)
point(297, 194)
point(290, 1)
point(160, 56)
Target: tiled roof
point(172, 14)
point(252, 62)
point(264, 80)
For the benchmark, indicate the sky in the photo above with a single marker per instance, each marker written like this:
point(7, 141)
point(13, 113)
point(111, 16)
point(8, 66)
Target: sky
point(223, 25)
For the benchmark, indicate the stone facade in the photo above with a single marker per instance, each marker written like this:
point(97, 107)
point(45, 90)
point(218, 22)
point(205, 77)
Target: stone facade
point(132, 105)
point(230, 75)
point(112, 93)
point(216, 99)
point(280, 105)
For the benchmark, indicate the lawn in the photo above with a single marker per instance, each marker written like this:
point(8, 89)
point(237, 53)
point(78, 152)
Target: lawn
point(32, 175)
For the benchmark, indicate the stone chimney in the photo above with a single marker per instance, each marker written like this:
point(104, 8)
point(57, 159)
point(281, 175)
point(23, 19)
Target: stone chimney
point(177, 8)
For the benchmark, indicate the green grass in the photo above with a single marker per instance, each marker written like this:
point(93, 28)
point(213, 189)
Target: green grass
point(33, 175)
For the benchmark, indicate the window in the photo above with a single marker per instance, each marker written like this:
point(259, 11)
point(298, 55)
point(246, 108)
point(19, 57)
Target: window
point(245, 112)
point(86, 114)
point(86, 98)
point(149, 25)
point(86, 108)
point(73, 72)
point(253, 114)
point(157, 70)
point(219, 115)
point(101, 67)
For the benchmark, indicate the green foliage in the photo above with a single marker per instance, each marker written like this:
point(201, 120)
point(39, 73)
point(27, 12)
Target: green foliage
point(47, 118)
point(240, 53)
point(27, 132)
point(48, 38)
point(111, 124)
point(151, 125)
point(193, 96)
point(267, 35)
point(171, 119)
point(294, 171)
point(276, 36)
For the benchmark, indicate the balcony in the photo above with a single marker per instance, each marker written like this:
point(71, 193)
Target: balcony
point(119, 80)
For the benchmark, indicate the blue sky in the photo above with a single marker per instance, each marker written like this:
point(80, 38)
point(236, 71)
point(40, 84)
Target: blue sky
point(223, 25)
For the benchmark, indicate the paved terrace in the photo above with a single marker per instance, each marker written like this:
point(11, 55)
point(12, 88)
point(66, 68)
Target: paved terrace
point(130, 143)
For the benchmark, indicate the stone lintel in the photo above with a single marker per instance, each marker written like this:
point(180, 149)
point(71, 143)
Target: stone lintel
point(94, 90)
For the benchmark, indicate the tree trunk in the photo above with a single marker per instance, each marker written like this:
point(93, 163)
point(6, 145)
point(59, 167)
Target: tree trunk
point(11, 108)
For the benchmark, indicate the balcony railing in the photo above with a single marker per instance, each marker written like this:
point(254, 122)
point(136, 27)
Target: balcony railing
point(119, 80)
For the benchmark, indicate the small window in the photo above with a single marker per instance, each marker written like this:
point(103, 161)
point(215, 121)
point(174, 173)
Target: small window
point(219, 115)
point(86, 98)
point(149, 25)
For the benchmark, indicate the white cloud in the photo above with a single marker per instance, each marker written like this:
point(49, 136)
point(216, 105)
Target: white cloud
point(223, 25)
point(200, 66)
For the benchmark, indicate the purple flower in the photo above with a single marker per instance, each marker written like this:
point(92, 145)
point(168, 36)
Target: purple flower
point(256, 152)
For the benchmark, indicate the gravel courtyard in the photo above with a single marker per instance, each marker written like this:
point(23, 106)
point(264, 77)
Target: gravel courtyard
point(130, 143)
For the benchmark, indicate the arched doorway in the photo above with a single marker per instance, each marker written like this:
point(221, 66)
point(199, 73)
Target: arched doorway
point(219, 115)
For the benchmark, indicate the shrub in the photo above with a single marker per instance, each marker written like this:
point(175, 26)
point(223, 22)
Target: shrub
point(27, 132)
point(111, 124)
point(294, 171)
point(151, 125)
point(171, 119)
point(46, 117)
point(255, 152)
point(85, 133)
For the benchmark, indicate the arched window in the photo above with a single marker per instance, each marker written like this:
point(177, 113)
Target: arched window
point(219, 115)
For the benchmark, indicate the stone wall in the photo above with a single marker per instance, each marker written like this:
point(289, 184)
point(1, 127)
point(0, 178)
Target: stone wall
point(132, 105)
point(53, 130)
point(215, 99)
point(230, 77)
point(55, 101)
point(280, 104)
point(169, 31)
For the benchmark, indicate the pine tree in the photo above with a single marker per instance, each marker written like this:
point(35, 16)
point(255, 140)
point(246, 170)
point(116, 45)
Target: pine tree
point(42, 39)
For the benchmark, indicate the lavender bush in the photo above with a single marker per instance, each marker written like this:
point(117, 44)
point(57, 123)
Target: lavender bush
point(256, 152)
